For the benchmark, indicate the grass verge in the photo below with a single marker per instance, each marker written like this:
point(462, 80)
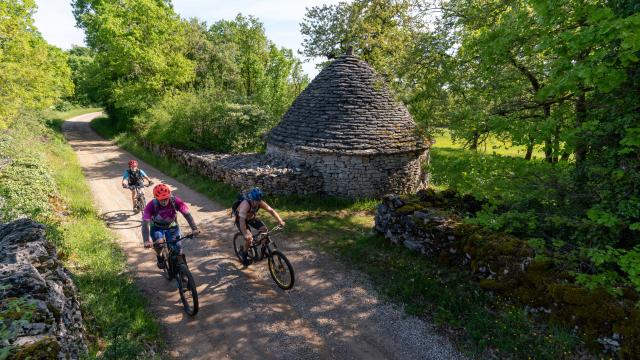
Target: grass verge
point(484, 326)
point(115, 313)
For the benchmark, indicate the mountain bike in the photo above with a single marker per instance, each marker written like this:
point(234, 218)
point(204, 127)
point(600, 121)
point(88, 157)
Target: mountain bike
point(141, 201)
point(175, 267)
point(262, 247)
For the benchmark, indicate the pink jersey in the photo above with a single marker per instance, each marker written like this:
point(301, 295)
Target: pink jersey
point(164, 214)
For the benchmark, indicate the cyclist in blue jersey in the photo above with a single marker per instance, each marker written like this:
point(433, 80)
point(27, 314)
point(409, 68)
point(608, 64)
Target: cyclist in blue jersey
point(133, 177)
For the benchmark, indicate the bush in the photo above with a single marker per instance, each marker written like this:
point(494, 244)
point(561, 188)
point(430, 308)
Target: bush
point(204, 119)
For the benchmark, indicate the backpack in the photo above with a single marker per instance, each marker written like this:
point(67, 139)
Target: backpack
point(239, 199)
point(172, 200)
point(134, 177)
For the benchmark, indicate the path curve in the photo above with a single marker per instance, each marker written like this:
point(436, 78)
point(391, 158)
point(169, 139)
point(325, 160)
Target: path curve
point(332, 312)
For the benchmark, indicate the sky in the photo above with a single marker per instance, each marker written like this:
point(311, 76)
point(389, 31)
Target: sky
point(281, 19)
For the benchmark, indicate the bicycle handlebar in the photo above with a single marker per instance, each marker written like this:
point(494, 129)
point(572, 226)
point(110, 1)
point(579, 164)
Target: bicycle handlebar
point(131, 187)
point(275, 228)
point(178, 238)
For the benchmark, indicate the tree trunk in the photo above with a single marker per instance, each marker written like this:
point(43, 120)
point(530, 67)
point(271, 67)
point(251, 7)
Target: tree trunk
point(529, 153)
point(581, 117)
point(556, 143)
point(548, 147)
point(474, 141)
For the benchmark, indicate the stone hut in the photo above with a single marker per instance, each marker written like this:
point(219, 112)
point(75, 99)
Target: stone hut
point(349, 131)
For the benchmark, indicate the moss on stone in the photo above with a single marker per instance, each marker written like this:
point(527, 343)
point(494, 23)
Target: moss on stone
point(545, 284)
point(410, 208)
point(47, 348)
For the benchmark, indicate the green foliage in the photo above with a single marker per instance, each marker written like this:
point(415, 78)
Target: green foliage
point(34, 75)
point(377, 30)
point(203, 119)
point(12, 311)
point(154, 71)
point(614, 268)
point(235, 58)
point(140, 52)
point(81, 62)
point(25, 181)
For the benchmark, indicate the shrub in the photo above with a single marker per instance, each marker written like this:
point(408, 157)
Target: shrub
point(204, 119)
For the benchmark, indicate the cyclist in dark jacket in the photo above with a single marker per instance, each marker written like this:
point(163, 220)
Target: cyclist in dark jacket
point(134, 176)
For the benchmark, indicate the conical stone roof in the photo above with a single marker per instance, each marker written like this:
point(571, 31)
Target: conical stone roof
point(347, 109)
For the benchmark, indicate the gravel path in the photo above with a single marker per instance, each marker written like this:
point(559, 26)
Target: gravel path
point(331, 313)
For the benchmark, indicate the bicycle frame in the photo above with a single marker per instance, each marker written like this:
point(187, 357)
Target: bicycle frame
point(264, 241)
point(173, 256)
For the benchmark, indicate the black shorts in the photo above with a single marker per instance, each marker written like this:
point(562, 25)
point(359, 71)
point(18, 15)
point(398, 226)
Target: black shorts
point(253, 223)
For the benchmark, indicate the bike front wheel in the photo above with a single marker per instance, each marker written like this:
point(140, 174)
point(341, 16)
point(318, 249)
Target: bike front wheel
point(141, 202)
point(281, 270)
point(167, 271)
point(188, 291)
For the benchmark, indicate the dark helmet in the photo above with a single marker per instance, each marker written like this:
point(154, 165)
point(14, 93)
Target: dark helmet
point(255, 194)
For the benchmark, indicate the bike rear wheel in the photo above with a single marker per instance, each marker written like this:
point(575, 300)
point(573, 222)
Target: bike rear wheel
point(188, 291)
point(238, 245)
point(281, 270)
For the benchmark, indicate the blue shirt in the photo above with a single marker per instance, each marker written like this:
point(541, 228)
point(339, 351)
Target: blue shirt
point(126, 174)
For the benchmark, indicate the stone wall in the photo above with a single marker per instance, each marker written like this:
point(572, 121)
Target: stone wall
point(285, 172)
point(431, 224)
point(243, 171)
point(32, 277)
point(353, 176)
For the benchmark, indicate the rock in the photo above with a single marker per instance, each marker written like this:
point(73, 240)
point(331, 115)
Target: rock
point(32, 278)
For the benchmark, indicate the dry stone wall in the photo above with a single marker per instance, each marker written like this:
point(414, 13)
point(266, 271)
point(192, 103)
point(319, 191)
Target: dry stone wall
point(33, 280)
point(285, 172)
point(430, 223)
point(243, 171)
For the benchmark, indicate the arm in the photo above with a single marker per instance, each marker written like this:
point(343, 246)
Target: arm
point(145, 177)
point(125, 176)
point(147, 214)
point(145, 234)
point(184, 210)
point(192, 223)
point(270, 210)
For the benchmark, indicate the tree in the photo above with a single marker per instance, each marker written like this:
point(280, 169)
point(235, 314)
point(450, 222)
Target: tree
point(33, 74)
point(140, 51)
point(377, 30)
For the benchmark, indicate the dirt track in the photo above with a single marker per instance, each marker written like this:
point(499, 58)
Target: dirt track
point(331, 313)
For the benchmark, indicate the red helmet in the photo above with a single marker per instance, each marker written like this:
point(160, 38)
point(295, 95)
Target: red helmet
point(133, 163)
point(161, 192)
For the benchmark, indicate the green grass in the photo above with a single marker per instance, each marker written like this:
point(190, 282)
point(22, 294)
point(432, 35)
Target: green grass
point(115, 313)
point(493, 176)
point(492, 146)
point(481, 324)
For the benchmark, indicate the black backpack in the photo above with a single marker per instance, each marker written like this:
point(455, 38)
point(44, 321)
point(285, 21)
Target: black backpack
point(239, 199)
point(134, 177)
